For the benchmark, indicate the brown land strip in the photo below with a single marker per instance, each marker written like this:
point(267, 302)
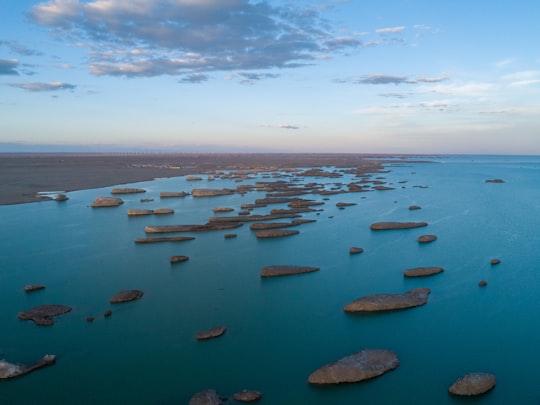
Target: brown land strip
point(23, 175)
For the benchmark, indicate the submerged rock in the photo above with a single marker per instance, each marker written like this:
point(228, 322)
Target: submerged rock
point(212, 333)
point(380, 226)
point(164, 239)
point(355, 250)
point(473, 384)
point(247, 396)
point(126, 295)
point(422, 271)
point(495, 181)
point(357, 367)
point(100, 202)
point(42, 314)
point(494, 261)
point(389, 302)
point(286, 270)
point(33, 287)
point(207, 397)
point(345, 204)
point(414, 207)
point(10, 370)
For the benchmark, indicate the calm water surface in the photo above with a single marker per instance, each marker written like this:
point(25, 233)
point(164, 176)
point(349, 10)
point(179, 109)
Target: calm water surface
point(280, 330)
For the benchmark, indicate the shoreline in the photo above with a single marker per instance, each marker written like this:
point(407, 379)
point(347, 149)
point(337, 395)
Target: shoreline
point(24, 175)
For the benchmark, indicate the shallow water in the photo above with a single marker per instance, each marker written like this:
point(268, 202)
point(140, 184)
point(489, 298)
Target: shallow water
point(282, 329)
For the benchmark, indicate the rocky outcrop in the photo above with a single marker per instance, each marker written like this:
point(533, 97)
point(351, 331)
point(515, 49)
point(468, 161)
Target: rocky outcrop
point(126, 295)
point(301, 203)
point(101, 202)
point(222, 209)
point(366, 364)
point(427, 238)
point(275, 233)
point(193, 178)
point(414, 207)
point(286, 270)
point(482, 283)
point(33, 287)
point(61, 197)
point(211, 333)
point(230, 235)
point(495, 181)
point(389, 302)
point(355, 250)
point(247, 396)
point(10, 370)
point(207, 397)
point(178, 259)
point(163, 211)
point(345, 204)
point(164, 239)
point(209, 192)
point(136, 212)
point(252, 218)
point(276, 225)
point(473, 384)
point(422, 271)
point(494, 261)
point(42, 315)
point(127, 190)
point(173, 194)
point(381, 226)
point(215, 226)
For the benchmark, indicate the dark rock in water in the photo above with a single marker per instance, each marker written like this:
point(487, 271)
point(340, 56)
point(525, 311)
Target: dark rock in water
point(193, 178)
point(473, 384)
point(384, 188)
point(345, 204)
point(380, 226)
point(208, 192)
point(33, 287)
point(216, 226)
point(126, 295)
point(143, 200)
point(164, 239)
point(42, 314)
point(422, 271)
point(100, 202)
point(212, 333)
point(222, 209)
point(357, 367)
point(276, 225)
point(275, 233)
point(107, 313)
point(10, 370)
point(127, 190)
point(427, 238)
point(355, 250)
point(495, 261)
point(251, 218)
point(61, 197)
point(178, 259)
point(286, 270)
point(230, 236)
point(173, 194)
point(495, 181)
point(207, 397)
point(414, 207)
point(163, 211)
point(247, 396)
point(389, 302)
point(137, 212)
point(90, 319)
point(482, 283)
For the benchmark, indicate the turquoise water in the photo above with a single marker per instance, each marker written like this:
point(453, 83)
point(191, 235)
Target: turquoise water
point(280, 330)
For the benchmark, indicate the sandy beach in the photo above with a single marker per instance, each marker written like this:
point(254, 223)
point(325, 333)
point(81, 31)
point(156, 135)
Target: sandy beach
point(23, 176)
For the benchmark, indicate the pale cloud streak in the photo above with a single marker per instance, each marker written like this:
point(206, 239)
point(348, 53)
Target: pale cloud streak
point(9, 66)
point(40, 86)
point(183, 37)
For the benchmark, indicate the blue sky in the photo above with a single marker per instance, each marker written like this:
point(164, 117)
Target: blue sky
point(368, 76)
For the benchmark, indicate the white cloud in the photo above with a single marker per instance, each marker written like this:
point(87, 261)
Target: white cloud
point(390, 30)
point(40, 86)
point(155, 37)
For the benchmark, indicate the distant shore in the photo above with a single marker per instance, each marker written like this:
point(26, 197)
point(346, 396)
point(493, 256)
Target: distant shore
point(24, 175)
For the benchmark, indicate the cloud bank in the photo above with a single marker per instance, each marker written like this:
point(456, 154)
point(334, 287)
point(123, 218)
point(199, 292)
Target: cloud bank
point(187, 37)
point(39, 86)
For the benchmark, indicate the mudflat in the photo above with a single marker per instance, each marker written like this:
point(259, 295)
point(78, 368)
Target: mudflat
point(24, 175)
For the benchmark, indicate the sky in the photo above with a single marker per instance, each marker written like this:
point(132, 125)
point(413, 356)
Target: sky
point(364, 76)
